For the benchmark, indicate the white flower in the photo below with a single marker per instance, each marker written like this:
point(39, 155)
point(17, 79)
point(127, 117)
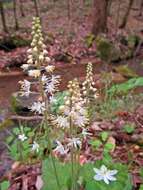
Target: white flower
point(44, 79)
point(30, 61)
point(25, 67)
point(45, 52)
point(85, 133)
point(38, 107)
point(75, 142)
point(60, 148)
point(49, 68)
point(47, 59)
point(104, 174)
point(25, 87)
point(41, 57)
point(52, 84)
point(35, 146)
point(22, 137)
point(52, 99)
point(62, 122)
point(80, 120)
point(55, 79)
point(50, 88)
point(34, 73)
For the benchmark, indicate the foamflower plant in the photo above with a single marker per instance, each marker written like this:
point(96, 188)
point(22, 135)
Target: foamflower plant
point(41, 75)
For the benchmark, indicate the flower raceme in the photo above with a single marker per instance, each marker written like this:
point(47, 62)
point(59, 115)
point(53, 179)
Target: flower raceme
point(39, 69)
point(73, 109)
point(37, 53)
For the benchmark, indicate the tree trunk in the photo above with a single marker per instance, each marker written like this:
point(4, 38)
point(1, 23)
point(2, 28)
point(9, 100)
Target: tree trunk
point(15, 14)
point(21, 8)
point(125, 18)
point(141, 8)
point(100, 8)
point(3, 17)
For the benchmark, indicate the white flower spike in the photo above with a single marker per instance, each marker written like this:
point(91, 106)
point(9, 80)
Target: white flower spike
point(104, 174)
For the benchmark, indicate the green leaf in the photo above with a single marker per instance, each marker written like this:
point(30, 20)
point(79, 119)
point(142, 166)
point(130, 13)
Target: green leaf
point(125, 87)
point(96, 143)
point(108, 147)
point(104, 136)
point(129, 128)
point(58, 101)
point(89, 40)
point(16, 130)
point(4, 185)
point(141, 172)
point(9, 139)
point(48, 174)
point(141, 187)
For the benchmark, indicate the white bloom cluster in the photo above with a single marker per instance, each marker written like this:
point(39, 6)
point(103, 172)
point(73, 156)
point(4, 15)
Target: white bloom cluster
point(60, 148)
point(37, 53)
point(88, 85)
point(25, 67)
point(75, 143)
point(74, 109)
point(104, 174)
point(52, 84)
point(25, 88)
point(34, 73)
point(38, 107)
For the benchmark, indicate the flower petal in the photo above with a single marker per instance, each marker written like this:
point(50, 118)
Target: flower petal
point(112, 172)
point(96, 170)
point(98, 177)
point(103, 168)
point(106, 180)
point(111, 178)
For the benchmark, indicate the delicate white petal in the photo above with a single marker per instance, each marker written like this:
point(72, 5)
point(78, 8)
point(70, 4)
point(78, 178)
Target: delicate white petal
point(98, 177)
point(111, 178)
point(103, 169)
point(96, 170)
point(112, 172)
point(106, 180)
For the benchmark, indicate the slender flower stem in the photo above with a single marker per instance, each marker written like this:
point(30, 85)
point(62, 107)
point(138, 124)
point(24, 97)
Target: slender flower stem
point(47, 131)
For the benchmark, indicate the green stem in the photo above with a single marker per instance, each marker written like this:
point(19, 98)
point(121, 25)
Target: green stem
point(47, 131)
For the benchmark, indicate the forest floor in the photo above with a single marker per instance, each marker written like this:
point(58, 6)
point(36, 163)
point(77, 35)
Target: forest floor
point(65, 40)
